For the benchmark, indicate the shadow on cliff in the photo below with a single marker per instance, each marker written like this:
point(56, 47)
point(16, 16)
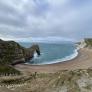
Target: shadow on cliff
point(12, 53)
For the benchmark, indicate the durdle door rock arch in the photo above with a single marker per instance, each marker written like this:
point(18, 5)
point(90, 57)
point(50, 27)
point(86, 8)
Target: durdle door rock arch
point(12, 53)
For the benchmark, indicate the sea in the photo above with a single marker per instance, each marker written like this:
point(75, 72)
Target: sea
point(52, 52)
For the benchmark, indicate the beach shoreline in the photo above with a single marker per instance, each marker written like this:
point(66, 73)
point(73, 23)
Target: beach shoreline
point(82, 61)
point(65, 59)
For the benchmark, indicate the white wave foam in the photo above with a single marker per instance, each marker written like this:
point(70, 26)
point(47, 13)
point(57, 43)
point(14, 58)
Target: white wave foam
point(67, 58)
point(36, 57)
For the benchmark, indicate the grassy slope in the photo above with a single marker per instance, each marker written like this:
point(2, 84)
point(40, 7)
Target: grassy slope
point(7, 70)
point(88, 42)
point(62, 81)
point(8, 52)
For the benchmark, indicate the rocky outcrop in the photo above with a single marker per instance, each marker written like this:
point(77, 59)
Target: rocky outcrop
point(13, 53)
point(86, 43)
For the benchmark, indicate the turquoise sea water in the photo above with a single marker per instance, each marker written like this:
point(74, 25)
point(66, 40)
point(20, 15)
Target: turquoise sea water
point(53, 53)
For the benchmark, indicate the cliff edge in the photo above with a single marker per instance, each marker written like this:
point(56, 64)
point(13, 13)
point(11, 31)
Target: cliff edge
point(86, 43)
point(12, 52)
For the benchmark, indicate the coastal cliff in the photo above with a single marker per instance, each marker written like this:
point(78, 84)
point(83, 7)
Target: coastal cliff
point(85, 43)
point(12, 53)
point(72, 76)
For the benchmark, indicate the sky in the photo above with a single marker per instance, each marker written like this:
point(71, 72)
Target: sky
point(26, 20)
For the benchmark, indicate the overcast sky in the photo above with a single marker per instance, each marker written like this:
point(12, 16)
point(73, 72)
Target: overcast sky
point(48, 19)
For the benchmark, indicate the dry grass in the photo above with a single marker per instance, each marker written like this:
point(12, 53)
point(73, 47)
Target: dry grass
point(62, 81)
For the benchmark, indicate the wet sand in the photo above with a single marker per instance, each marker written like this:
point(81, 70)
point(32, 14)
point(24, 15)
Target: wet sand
point(82, 61)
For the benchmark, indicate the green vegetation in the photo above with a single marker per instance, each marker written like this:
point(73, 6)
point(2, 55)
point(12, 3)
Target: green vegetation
point(12, 81)
point(12, 53)
point(7, 70)
point(20, 80)
point(88, 87)
point(88, 42)
point(68, 81)
point(9, 51)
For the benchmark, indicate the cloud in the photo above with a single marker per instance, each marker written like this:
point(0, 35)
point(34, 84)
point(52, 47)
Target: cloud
point(41, 39)
point(21, 19)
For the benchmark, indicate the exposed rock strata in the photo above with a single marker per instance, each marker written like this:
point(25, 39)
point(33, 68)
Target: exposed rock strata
point(13, 53)
point(86, 43)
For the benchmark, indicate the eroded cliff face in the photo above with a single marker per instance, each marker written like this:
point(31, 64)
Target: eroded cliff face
point(13, 53)
point(86, 43)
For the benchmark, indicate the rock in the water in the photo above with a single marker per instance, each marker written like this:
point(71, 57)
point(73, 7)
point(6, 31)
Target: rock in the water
point(13, 53)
